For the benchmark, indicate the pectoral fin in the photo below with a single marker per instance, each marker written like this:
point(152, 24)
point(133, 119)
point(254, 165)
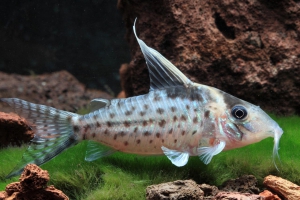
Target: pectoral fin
point(177, 158)
point(206, 153)
point(95, 151)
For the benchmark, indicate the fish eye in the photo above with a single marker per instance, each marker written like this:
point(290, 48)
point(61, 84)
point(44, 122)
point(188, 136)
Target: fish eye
point(239, 112)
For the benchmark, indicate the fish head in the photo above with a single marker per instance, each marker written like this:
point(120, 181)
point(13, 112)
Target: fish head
point(238, 122)
point(244, 123)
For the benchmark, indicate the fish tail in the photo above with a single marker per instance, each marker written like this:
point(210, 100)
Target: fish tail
point(53, 132)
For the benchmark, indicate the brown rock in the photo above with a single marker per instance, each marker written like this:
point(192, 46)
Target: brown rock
point(59, 89)
point(3, 195)
point(32, 186)
point(209, 191)
point(237, 196)
point(282, 187)
point(250, 49)
point(121, 95)
point(33, 178)
point(243, 184)
point(125, 79)
point(14, 130)
point(181, 189)
point(269, 195)
point(12, 188)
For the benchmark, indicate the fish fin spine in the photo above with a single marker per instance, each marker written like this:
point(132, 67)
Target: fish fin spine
point(207, 153)
point(176, 157)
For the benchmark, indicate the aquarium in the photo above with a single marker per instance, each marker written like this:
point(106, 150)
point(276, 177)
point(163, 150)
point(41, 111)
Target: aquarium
point(111, 97)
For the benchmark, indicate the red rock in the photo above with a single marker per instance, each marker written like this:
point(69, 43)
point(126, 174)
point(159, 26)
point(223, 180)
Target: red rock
point(209, 191)
point(14, 130)
point(125, 77)
point(181, 189)
point(282, 187)
point(243, 184)
point(121, 95)
point(269, 195)
point(250, 49)
point(32, 185)
point(33, 178)
point(237, 196)
point(59, 89)
point(12, 188)
point(3, 195)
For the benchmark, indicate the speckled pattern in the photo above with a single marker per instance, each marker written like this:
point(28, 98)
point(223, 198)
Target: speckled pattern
point(144, 123)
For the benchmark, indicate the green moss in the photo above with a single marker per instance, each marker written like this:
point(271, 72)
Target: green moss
point(125, 176)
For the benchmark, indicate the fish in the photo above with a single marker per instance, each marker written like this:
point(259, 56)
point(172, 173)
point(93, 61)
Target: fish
point(178, 118)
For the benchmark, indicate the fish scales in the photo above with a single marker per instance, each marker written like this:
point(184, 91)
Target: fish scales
point(143, 123)
point(178, 118)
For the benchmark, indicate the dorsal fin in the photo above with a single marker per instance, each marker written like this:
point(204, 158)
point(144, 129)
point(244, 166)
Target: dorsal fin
point(96, 104)
point(162, 72)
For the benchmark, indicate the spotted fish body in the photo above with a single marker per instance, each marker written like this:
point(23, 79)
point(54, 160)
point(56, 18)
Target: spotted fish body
point(178, 118)
point(142, 125)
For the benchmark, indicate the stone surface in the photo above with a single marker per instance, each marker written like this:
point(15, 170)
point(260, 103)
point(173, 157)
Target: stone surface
point(60, 90)
point(243, 184)
point(125, 78)
point(14, 130)
point(32, 186)
point(250, 49)
point(237, 196)
point(181, 189)
point(3, 195)
point(209, 191)
point(33, 178)
point(269, 195)
point(282, 187)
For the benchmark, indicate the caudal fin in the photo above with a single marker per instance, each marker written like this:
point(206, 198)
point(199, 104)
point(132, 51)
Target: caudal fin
point(53, 132)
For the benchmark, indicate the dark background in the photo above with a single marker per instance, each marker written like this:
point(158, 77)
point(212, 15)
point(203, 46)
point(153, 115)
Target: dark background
point(84, 37)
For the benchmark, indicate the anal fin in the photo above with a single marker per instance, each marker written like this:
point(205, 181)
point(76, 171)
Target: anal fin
point(96, 150)
point(177, 158)
point(207, 153)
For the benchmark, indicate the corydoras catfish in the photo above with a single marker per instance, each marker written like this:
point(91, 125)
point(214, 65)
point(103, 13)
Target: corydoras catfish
point(177, 118)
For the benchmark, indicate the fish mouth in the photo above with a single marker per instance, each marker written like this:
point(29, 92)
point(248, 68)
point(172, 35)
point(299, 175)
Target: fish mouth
point(277, 135)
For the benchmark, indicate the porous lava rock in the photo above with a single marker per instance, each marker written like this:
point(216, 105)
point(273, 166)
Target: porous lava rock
point(125, 78)
point(59, 89)
point(14, 130)
point(250, 49)
point(237, 196)
point(210, 191)
point(282, 187)
point(243, 184)
point(181, 189)
point(268, 195)
point(32, 186)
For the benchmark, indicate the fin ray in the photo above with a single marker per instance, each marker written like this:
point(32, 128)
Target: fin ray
point(53, 132)
point(96, 150)
point(162, 72)
point(207, 153)
point(177, 158)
